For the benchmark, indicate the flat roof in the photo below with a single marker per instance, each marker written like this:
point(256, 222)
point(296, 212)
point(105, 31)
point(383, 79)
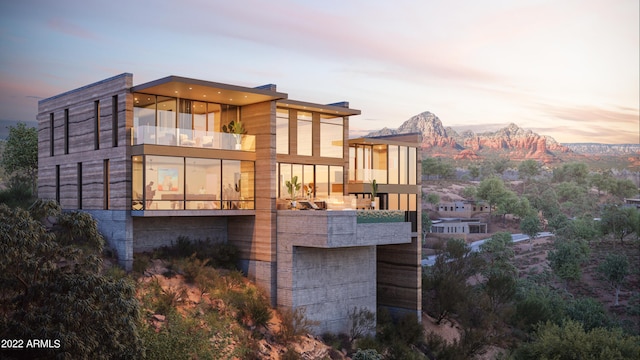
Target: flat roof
point(338, 110)
point(201, 90)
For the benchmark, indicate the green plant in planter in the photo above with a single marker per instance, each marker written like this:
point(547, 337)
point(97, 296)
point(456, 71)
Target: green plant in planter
point(236, 128)
point(293, 187)
point(374, 191)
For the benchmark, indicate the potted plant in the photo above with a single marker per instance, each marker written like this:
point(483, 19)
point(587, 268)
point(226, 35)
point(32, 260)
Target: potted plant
point(236, 128)
point(293, 187)
point(374, 193)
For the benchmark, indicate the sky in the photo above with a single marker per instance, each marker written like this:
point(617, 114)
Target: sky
point(569, 69)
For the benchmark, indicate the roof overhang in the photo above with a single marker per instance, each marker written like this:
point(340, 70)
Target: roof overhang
point(327, 109)
point(200, 90)
point(410, 139)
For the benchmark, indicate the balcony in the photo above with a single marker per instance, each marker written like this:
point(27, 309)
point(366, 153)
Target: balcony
point(368, 175)
point(338, 229)
point(155, 135)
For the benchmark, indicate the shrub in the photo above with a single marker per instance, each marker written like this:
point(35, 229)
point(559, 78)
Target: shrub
point(193, 267)
point(368, 354)
point(294, 324)
point(219, 254)
point(363, 322)
point(570, 341)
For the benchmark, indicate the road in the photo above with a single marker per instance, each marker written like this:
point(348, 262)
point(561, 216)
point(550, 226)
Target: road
point(475, 246)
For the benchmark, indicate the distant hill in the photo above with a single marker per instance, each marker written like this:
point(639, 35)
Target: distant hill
point(604, 149)
point(512, 141)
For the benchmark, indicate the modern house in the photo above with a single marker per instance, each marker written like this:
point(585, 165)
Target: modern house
point(179, 156)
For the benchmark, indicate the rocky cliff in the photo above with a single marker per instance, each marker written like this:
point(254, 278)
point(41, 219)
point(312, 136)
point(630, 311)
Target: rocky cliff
point(516, 142)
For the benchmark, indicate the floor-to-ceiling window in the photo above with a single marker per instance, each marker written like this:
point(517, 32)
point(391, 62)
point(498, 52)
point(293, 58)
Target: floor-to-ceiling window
point(331, 136)
point(305, 133)
point(176, 183)
point(282, 131)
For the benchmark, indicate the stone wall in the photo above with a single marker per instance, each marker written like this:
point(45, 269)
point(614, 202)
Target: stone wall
point(153, 232)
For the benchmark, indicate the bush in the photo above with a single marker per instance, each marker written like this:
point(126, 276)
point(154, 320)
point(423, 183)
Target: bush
point(219, 254)
point(570, 341)
point(294, 324)
point(363, 322)
point(368, 354)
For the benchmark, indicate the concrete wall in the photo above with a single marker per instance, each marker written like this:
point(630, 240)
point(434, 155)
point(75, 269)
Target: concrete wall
point(327, 264)
point(117, 229)
point(153, 232)
point(328, 283)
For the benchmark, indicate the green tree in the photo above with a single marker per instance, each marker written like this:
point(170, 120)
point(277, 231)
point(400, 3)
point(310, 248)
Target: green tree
point(567, 258)
point(615, 269)
point(426, 226)
point(580, 228)
point(474, 171)
point(501, 165)
point(620, 221)
point(20, 155)
point(492, 190)
point(527, 170)
point(445, 283)
point(573, 172)
point(53, 289)
point(570, 341)
point(536, 303)
point(433, 199)
point(624, 189)
point(530, 226)
point(432, 167)
point(499, 271)
point(470, 192)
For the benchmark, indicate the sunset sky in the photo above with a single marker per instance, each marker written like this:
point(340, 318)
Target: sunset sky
point(564, 68)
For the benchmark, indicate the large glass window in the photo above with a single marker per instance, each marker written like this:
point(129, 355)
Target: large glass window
point(176, 183)
point(203, 183)
point(144, 119)
point(305, 134)
point(238, 184)
point(336, 180)
point(379, 157)
point(284, 175)
point(308, 182)
point(137, 184)
point(282, 131)
point(393, 165)
point(412, 166)
point(322, 181)
point(352, 164)
point(166, 124)
point(403, 162)
point(331, 136)
point(164, 176)
point(185, 123)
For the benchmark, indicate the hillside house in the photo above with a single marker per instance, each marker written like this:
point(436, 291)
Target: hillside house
point(180, 156)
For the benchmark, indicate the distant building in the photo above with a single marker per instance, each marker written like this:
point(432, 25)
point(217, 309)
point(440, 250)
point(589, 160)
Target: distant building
point(461, 208)
point(458, 226)
point(632, 202)
point(179, 156)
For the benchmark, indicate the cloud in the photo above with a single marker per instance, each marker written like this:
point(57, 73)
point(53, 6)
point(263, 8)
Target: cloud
point(71, 29)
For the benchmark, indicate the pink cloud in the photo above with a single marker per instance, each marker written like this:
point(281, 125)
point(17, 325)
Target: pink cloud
point(68, 28)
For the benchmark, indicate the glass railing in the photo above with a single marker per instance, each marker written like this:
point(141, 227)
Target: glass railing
point(368, 175)
point(155, 135)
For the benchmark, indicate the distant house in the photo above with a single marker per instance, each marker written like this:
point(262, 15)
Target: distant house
point(462, 208)
point(458, 226)
point(632, 202)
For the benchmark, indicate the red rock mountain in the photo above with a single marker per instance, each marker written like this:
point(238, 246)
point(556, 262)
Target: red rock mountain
point(513, 141)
